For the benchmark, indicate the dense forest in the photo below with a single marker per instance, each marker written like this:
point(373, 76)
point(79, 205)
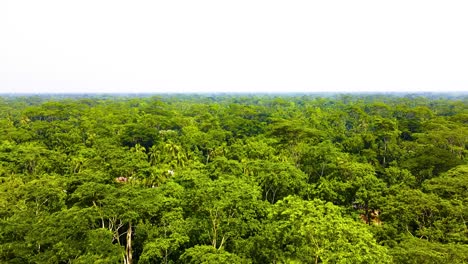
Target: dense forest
point(369, 178)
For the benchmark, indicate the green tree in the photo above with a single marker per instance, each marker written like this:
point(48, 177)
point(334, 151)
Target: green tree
point(315, 232)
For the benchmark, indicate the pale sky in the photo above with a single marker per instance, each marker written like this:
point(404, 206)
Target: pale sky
point(100, 46)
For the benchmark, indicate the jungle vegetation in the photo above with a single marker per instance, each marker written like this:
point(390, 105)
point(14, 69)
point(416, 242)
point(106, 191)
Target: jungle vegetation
point(370, 178)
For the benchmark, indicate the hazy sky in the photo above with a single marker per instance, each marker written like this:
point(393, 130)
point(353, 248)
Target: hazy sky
point(233, 46)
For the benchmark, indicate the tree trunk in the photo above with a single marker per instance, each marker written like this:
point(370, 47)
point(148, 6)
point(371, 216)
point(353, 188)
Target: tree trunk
point(128, 248)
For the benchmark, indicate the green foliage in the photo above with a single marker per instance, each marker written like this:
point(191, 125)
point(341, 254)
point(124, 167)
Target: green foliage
point(316, 232)
point(207, 254)
point(414, 250)
point(234, 179)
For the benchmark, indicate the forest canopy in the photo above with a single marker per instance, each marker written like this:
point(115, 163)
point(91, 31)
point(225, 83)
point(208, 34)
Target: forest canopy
point(371, 178)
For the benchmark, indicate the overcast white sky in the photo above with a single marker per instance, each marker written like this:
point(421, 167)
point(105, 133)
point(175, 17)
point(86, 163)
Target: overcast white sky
point(233, 46)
